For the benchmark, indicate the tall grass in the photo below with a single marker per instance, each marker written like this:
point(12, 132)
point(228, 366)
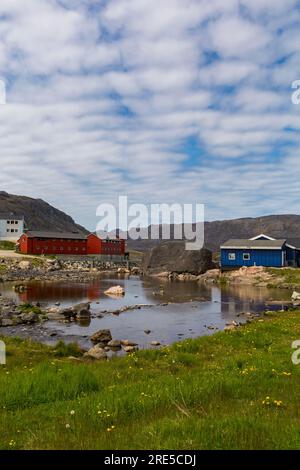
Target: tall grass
point(45, 384)
point(205, 393)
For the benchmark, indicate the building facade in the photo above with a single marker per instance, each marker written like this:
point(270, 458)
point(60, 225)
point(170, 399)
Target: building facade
point(105, 246)
point(11, 226)
point(258, 251)
point(56, 243)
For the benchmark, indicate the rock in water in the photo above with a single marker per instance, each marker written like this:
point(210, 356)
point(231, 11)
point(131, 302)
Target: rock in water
point(127, 342)
point(114, 343)
point(29, 317)
point(173, 257)
point(115, 290)
point(82, 310)
point(101, 336)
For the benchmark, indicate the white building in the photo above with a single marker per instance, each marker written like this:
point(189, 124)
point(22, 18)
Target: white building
point(11, 226)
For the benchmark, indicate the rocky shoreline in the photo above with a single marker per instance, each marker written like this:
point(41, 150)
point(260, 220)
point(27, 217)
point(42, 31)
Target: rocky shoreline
point(28, 321)
point(257, 276)
point(47, 269)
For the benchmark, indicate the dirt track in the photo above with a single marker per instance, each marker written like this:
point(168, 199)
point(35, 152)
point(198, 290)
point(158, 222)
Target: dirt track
point(12, 254)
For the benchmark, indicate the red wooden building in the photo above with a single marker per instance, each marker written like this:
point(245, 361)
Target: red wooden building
point(56, 243)
point(105, 246)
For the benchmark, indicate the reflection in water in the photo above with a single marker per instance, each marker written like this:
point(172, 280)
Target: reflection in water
point(178, 309)
point(84, 322)
point(56, 292)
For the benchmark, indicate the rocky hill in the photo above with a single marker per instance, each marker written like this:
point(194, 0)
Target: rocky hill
point(39, 215)
point(278, 226)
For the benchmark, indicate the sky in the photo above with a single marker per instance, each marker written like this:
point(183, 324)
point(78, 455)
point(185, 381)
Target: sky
point(176, 101)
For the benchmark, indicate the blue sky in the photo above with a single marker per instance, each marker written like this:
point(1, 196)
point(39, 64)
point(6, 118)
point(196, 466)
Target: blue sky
point(172, 101)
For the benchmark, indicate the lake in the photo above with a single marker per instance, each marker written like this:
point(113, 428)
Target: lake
point(175, 310)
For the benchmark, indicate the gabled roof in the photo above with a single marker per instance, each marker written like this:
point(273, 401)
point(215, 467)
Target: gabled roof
point(293, 243)
point(57, 235)
point(262, 235)
point(242, 243)
point(10, 216)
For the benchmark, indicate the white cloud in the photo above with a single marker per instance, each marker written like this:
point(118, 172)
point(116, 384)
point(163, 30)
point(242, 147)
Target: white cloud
point(108, 98)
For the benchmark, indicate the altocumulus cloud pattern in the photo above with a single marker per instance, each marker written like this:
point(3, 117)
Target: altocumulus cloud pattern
point(160, 101)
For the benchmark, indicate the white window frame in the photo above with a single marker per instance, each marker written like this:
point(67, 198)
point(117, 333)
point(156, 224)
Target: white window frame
point(246, 257)
point(231, 256)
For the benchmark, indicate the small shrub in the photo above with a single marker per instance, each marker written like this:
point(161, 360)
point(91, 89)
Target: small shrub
point(28, 308)
point(61, 349)
point(6, 245)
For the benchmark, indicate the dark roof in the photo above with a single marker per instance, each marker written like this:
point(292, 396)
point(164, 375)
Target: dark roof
point(58, 235)
point(10, 216)
point(294, 242)
point(253, 244)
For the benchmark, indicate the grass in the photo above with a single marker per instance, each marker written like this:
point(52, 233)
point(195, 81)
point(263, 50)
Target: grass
point(135, 255)
point(288, 276)
point(7, 245)
point(29, 308)
point(232, 390)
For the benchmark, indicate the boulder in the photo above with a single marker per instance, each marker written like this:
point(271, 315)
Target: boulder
point(29, 317)
point(127, 342)
point(135, 270)
point(114, 343)
point(295, 296)
point(155, 343)
point(101, 336)
point(230, 327)
point(115, 290)
point(56, 313)
point(96, 352)
point(130, 349)
point(82, 310)
point(172, 257)
point(123, 270)
point(24, 264)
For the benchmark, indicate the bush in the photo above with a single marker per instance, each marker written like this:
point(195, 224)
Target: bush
point(28, 308)
point(62, 349)
point(6, 245)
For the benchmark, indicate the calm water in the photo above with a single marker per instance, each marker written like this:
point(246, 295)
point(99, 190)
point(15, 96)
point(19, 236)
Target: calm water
point(188, 310)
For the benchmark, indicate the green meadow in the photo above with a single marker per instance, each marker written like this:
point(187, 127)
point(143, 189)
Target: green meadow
point(233, 390)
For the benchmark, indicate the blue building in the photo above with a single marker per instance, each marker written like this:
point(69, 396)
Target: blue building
point(261, 250)
point(292, 249)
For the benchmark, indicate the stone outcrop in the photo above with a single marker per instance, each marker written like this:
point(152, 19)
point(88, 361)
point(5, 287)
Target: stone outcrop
point(172, 257)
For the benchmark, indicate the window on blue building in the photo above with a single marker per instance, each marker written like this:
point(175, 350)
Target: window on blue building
point(246, 256)
point(231, 256)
